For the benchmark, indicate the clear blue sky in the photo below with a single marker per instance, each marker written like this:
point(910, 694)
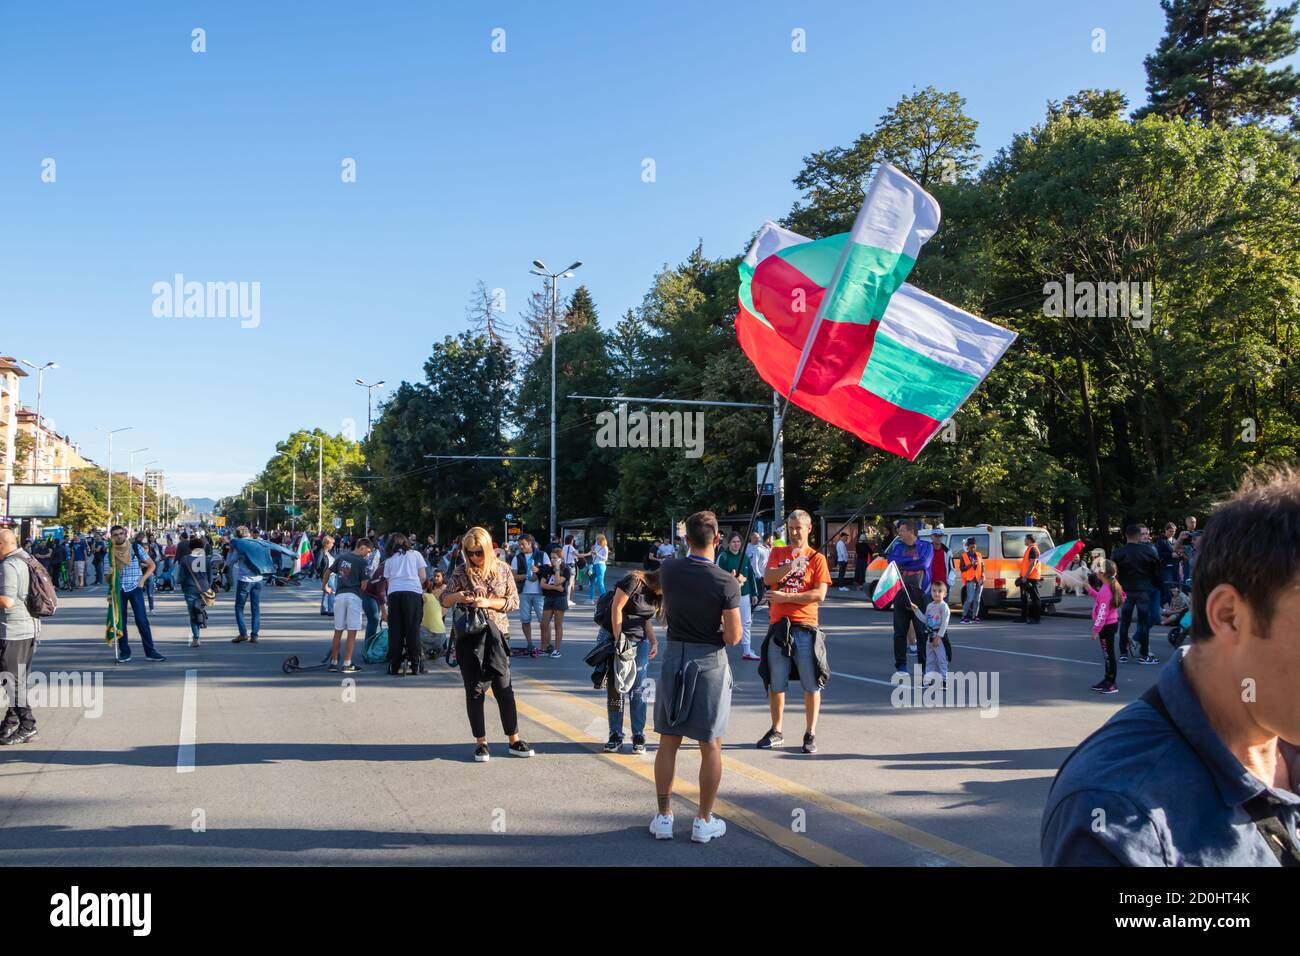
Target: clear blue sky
point(225, 166)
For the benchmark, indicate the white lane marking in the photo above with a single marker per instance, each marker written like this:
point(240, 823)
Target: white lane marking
point(189, 723)
point(1045, 657)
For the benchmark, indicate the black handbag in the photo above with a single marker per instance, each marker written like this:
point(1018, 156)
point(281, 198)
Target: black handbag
point(469, 622)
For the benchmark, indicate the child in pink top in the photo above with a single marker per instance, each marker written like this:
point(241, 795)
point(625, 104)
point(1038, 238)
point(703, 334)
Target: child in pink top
point(1106, 602)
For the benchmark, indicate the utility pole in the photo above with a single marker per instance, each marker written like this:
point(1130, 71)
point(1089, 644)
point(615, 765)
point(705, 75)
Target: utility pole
point(555, 328)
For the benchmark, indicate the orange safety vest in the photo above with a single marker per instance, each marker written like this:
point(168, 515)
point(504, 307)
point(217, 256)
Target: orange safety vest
point(1030, 568)
point(973, 573)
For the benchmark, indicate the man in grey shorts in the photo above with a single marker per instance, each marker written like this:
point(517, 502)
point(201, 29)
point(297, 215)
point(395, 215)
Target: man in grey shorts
point(797, 578)
point(702, 608)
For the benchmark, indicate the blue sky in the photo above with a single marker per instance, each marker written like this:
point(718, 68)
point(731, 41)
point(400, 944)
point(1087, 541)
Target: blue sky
point(225, 166)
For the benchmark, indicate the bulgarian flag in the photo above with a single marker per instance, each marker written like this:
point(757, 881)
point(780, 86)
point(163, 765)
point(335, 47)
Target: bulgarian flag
point(892, 379)
point(1061, 555)
point(890, 583)
point(304, 553)
point(896, 220)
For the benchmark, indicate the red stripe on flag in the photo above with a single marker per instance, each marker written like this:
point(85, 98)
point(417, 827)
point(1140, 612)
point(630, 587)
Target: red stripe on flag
point(875, 420)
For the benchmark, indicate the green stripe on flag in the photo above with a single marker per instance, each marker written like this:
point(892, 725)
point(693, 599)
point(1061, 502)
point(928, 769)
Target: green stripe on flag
point(914, 381)
point(870, 277)
point(817, 260)
point(747, 293)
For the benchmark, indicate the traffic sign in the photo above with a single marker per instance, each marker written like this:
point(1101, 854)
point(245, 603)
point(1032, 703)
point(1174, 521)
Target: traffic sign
point(349, 522)
point(221, 521)
point(338, 522)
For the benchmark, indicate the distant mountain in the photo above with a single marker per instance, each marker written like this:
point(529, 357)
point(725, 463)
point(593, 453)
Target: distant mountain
point(201, 505)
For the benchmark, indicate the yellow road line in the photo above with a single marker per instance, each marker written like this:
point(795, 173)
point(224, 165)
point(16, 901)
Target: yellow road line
point(880, 823)
point(795, 843)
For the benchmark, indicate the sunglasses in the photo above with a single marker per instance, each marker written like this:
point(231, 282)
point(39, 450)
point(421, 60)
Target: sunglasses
point(474, 554)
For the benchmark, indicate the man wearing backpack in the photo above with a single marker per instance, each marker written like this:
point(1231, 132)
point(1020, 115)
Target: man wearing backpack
point(17, 639)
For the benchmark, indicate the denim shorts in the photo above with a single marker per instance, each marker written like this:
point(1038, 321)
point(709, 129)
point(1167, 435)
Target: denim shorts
point(530, 606)
point(779, 665)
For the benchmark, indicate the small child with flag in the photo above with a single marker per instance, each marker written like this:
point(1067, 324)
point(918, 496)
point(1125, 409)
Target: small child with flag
point(935, 627)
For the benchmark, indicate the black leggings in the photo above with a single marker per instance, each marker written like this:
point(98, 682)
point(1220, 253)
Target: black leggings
point(471, 674)
point(1107, 639)
point(405, 608)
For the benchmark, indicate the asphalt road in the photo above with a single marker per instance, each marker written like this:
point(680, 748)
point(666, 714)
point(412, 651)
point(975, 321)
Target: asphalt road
point(217, 757)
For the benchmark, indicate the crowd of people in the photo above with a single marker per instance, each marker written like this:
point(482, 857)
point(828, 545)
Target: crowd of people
point(456, 601)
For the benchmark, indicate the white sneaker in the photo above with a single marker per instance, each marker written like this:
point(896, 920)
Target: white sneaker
point(843, 589)
point(702, 831)
point(661, 827)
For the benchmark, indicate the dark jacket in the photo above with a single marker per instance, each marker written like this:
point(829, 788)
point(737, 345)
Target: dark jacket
point(1139, 567)
point(491, 651)
point(778, 636)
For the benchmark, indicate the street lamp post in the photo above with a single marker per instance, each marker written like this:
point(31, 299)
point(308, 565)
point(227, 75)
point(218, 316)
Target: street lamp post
point(130, 494)
point(111, 433)
point(144, 487)
point(369, 391)
point(293, 490)
point(40, 423)
point(320, 484)
point(541, 270)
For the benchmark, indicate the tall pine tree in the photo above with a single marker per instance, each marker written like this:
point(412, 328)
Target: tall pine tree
point(1213, 62)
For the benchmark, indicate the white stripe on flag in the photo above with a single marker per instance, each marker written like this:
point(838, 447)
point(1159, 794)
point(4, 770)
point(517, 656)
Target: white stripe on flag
point(938, 330)
point(897, 216)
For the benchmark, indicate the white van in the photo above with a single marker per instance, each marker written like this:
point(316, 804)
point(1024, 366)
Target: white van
point(1002, 547)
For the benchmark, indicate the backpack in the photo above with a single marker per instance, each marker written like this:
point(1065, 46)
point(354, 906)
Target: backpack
point(604, 604)
point(42, 599)
point(375, 649)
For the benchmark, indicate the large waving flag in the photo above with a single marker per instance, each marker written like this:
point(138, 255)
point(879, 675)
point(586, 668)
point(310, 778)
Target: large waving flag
point(304, 553)
point(1061, 555)
point(896, 220)
point(890, 583)
point(919, 363)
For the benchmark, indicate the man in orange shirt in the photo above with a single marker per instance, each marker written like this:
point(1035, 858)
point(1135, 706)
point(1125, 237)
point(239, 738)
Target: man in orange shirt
point(797, 577)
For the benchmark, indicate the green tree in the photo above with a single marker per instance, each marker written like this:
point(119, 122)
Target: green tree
point(1213, 62)
point(78, 509)
point(23, 446)
point(927, 135)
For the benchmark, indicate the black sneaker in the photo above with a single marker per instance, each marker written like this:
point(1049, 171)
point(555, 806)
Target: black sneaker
point(1099, 685)
point(333, 666)
point(238, 640)
point(773, 738)
point(1110, 689)
point(1149, 659)
point(154, 657)
point(253, 639)
point(349, 669)
point(124, 660)
point(520, 748)
point(19, 736)
point(809, 744)
point(638, 744)
point(481, 754)
point(1123, 658)
point(614, 744)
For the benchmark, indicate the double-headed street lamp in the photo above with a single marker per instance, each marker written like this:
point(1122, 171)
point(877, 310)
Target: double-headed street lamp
point(541, 270)
point(111, 433)
point(370, 389)
point(40, 422)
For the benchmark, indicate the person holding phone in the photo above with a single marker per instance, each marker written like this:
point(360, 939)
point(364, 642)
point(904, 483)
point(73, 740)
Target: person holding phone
point(485, 581)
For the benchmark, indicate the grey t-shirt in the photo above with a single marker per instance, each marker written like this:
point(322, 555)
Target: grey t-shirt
point(15, 580)
point(350, 569)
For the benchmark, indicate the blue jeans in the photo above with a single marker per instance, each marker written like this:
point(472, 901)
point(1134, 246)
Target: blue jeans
point(636, 699)
point(327, 600)
point(597, 581)
point(370, 607)
point(192, 600)
point(136, 599)
point(243, 591)
point(149, 588)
